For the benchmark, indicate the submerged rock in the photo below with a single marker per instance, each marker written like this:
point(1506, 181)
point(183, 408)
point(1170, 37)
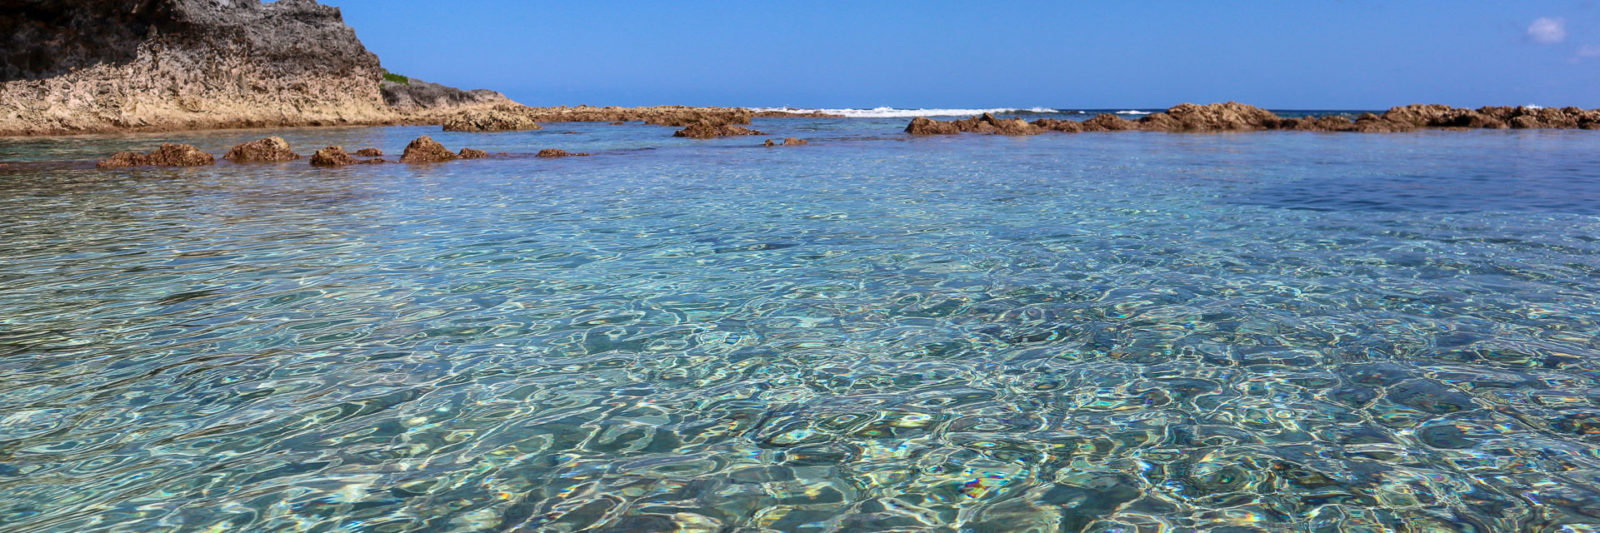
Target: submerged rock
point(551, 153)
point(168, 155)
point(787, 141)
point(268, 150)
point(711, 130)
point(426, 150)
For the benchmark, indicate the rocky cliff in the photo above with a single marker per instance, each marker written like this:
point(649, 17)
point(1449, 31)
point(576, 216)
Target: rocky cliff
point(83, 66)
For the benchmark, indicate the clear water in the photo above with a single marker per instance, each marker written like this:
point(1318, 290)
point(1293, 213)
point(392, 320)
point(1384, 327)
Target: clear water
point(1111, 332)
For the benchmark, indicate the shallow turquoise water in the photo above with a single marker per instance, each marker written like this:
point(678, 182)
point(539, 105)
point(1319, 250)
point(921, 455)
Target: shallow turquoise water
point(1113, 332)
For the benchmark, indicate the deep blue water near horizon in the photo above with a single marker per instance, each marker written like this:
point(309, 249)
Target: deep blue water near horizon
point(1110, 332)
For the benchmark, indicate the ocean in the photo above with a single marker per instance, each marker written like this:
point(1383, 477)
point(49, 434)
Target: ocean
point(873, 332)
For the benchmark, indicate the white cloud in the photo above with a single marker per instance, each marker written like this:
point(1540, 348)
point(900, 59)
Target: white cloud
point(1589, 50)
point(1548, 31)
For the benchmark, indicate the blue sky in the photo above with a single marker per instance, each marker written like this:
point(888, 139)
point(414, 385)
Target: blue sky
point(1302, 54)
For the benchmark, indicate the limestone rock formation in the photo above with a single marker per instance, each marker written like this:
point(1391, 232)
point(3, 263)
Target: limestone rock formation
point(411, 95)
point(1230, 116)
point(268, 150)
point(505, 118)
point(80, 66)
point(369, 152)
point(551, 153)
point(169, 155)
point(471, 153)
point(709, 130)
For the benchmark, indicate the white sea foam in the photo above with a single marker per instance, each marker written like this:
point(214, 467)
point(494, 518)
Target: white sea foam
point(893, 112)
point(1133, 112)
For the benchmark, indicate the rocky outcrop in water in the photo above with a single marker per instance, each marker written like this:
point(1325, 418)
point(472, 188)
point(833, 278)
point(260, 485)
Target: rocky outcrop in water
point(1230, 116)
point(1233, 116)
point(80, 66)
point(426, 150)
point(492, 119)
point(332, 156)
point(169, 155)
point(369, 152)
point(787, 141)
point(268, 150)
point(712, 130)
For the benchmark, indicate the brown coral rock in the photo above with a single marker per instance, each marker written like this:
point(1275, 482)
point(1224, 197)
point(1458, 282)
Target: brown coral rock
point(268, 150)
point(504, 118)
point(1109, 122)
point(470, 153)
point(1230, 116)
point(928, 126)
point(711, 130)
point(168, 155)
point(551, 153)
point(426, 150)
point(332, 156)
point(369, 152)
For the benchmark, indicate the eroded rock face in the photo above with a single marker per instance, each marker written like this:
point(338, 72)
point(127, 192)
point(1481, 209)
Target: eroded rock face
point(551, 153)
point(80, 66)
point(426, 150)
point(712, 130)
point(493, 119)
point(369, 152)
point(471, 153)
point(268, 150)
point(169, 155)
point(417, 96)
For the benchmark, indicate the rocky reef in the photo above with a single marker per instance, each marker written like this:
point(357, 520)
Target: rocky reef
point(707, 129)
point(82, 66)
point(168, 155)
point(1234, 116)
point(553, 153)
point(491, 119)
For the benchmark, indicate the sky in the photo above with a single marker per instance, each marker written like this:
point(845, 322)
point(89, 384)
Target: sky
point(1305, 54)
